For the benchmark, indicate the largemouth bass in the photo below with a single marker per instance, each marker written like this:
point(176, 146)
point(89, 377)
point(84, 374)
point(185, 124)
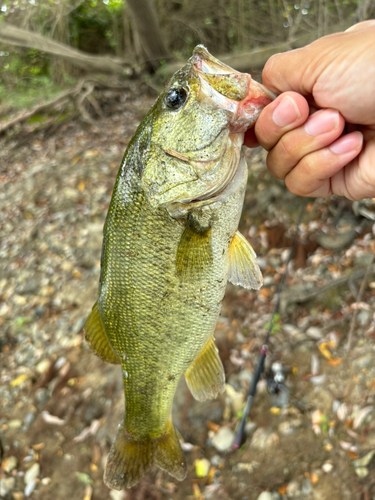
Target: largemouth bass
point(170, 246)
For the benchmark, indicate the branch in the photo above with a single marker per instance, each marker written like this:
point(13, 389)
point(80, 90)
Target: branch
point(9, 34)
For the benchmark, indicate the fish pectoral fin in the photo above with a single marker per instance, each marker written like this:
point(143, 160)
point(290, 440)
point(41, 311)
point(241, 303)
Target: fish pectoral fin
point(194, 252)
point(129, 459)
point(97, 338)
point(243, 267)
point(205, 377)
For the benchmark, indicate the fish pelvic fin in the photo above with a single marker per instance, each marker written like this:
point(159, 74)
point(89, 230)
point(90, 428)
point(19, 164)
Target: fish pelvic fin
point(243, 267)
point(194, 252)
point(129, 459)
point(97, 338)
point(205, 377)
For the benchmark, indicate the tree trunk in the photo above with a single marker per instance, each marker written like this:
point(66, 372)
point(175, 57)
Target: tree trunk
point(145, 22)
point(9, 34)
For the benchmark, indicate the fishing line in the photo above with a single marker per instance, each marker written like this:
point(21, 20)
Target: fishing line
point(263, 352)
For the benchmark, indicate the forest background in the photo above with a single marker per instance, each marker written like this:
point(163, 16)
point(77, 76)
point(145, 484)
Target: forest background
point(47, 46)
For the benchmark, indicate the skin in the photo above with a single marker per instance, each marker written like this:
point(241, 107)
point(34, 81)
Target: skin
point(320, 132)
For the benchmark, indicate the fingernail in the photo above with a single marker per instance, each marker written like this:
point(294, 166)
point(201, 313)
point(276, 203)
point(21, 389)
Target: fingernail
point(347, 143)
point(321, 122)
point(286, 112)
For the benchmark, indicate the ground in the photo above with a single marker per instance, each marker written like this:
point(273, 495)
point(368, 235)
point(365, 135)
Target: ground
point(60, 405)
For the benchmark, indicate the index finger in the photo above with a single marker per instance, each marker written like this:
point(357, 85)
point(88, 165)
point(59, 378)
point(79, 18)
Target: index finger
point(286, 112)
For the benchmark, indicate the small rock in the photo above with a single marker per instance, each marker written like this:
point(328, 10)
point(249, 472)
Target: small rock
point(6, 485)
point(30, 488)
point(29, 418)
point(292, 490)
point(363, 361)
point(17, 495)
point(286, 428)
point(364, 317)
point(306, 487)
point(117, 495)
point(217, 461)
point(15, 424)
point(342, 412)
point(236, 398)
point(314, 332)
point(327, 467)
point(361, 471)
point(42, 395)
point(265, 495)
point(275, 496)
point(262, 439)
point(250, 428)
point(32, 473)
point(43, 366)
point(223, 439)
point(9, 464)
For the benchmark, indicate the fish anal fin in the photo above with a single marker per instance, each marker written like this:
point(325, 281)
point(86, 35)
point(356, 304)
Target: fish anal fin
point(129, 459)
point(96, 337)
point(194, 252)
point(205, 377)
point(243, 267)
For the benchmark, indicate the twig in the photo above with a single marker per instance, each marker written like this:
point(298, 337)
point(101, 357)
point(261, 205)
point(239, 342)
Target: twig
point(301, 298)
point(25, 115)
point(358, 299)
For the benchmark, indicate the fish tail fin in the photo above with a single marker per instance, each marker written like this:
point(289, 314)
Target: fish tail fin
point(168, 454)
point(129, 459)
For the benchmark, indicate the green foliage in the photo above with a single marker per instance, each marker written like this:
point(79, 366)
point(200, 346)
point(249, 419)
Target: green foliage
point(276, 324)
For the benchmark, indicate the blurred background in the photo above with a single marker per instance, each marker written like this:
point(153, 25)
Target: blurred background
point(76, 79)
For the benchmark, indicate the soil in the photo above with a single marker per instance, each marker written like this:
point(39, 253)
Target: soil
point(60, 405)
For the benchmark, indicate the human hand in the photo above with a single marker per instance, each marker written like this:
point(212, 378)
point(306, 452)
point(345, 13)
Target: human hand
point(332, 150)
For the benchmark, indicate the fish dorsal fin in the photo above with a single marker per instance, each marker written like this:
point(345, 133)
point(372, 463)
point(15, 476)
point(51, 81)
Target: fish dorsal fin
point(243, 267)
point(194, 252)
point(96, 337)
point(205, 377)
point(129, 459)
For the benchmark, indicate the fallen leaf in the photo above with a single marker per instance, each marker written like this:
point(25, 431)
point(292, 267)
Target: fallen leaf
point(18, 381)
point(335, 361)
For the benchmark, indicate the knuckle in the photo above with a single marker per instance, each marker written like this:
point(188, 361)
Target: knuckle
point(286, 148)
point(274, 167)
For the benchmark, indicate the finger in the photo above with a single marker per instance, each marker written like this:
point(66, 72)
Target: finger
point(319, 131)
point(288, 111)
point(312, 175)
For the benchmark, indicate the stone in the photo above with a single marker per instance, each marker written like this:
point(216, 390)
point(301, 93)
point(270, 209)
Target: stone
point(117, 495)
point(9, 464)
point(293, 490)
point(15, 424)
point(6, 485)
point(32, 473)
point(223, 439)
point(265, 495)
point(327, 467)
point(314, 333)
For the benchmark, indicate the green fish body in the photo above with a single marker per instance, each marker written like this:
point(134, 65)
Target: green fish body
point(170, 245)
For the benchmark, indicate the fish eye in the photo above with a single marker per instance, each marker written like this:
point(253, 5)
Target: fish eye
point(175, 98)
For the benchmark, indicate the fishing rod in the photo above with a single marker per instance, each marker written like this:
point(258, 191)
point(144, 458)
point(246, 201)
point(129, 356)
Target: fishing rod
point(239, 438)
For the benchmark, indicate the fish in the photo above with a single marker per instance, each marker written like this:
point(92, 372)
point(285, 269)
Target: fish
point(170, 244)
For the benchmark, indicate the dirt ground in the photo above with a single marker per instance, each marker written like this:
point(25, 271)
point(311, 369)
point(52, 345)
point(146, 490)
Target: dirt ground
point(60, 405)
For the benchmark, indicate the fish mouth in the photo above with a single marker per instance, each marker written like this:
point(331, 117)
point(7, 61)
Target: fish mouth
point(241, 96)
